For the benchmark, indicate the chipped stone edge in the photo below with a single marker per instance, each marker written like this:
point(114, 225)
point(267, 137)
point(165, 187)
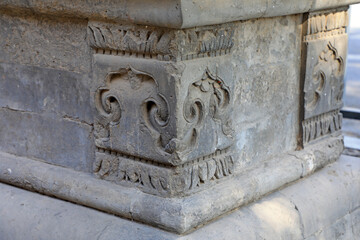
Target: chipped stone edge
point(173, 214)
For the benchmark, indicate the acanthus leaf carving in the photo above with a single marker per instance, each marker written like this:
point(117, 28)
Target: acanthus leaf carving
point(160, 179)
point(160, 44)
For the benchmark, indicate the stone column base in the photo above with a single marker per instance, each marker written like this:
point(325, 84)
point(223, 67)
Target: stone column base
point(174, 214)
point(325, 205)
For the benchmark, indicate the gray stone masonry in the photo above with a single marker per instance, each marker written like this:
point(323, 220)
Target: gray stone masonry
point(325, 205)
point(169, 112)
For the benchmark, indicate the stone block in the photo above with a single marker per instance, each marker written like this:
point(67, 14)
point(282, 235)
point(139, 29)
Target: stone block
point(44, 41)
point(58, 141)
point(314, 209)
point(274, 217)
point(43, 90)
point(178, 214)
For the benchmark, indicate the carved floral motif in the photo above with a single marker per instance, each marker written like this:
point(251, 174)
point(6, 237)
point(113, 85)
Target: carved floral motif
point(326, 43)
point(161, 44)
point(208, 99)
point(134, 121)
point(321, 125)
point(326, 86)
point(128, 90)
point(160, 179)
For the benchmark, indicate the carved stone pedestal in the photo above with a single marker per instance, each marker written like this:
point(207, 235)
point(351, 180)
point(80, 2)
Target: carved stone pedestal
point(165, 102)
point(170, 114)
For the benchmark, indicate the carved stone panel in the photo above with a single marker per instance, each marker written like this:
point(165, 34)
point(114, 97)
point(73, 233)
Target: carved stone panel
point(207, 111)
point(324, 75)
point(159, 129)
point(140, 112)
point(128, 102)
point(160, 43)
point(326, 49)
point(160, 125)
point(135, 108)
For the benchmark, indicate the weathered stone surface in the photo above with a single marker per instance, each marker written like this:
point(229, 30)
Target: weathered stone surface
point(276, 216)
point(161, 43)
point(201, 120)
point(190, 108)
point(43, 41)
point(265, 95)
point(325, 51)
point(173, 214)
point(65, 142)
point(174, 13)
point(324, 219)
point(45, 91)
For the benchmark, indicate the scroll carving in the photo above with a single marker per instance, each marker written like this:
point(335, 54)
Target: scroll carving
point(326, 44)
point(128, 90)
point(328, 71)
point(208, 99)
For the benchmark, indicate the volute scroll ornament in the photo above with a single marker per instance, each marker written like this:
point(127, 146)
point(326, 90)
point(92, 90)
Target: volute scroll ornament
point(130, 98)
point(327, 80)
point(207, 106)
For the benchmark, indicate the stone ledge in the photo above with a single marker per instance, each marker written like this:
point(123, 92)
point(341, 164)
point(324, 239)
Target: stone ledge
point(173, 214)
point(172, 13)
point(327, 206)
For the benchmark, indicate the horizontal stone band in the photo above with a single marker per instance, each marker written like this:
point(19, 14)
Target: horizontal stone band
point(173, 214)
point(175, 13)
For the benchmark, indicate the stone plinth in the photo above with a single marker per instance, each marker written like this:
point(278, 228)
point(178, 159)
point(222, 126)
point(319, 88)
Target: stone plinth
point(334, 213)
point(170, 113)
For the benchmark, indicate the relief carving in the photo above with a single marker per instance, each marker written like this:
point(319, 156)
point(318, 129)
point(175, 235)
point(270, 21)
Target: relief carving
point(133, 117)
point(161, 44)
point(208, 100)
point(159, 179)
point(327, 21)
point(324, 87)
point(205, 43)
point(129, 94)
point(321, 125)
point(150, 137)
point(128, 39)
point(326, 44)
point(326, 25)
point(328, 71)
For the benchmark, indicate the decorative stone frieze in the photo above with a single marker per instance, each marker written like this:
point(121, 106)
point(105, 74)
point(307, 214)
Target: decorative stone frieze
point(321, 125)
point(161, 44)
point(160, 179)
point(326, 43)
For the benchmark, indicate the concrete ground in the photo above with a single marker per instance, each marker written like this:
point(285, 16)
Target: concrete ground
point(325, 205)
